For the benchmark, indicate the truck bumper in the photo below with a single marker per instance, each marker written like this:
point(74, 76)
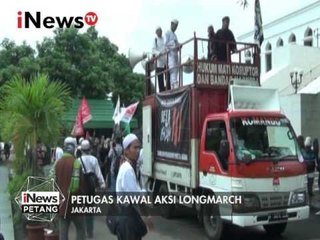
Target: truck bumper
point(268, 217)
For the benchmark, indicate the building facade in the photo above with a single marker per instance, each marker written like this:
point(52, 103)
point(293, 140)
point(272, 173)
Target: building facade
point(290, 62)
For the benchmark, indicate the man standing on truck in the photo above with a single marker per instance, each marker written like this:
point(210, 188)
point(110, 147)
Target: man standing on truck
point(158, 49)
point(211, 44)
point(172, 44)
point(225, 38)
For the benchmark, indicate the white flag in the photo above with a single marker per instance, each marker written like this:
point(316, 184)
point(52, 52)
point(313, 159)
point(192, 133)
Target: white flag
point(120, 115)
point(116, 111)
point(129, 112)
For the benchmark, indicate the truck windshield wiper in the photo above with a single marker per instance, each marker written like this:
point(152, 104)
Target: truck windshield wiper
point(288, 156)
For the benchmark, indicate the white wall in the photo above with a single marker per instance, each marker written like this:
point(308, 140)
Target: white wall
point(310, 115)
point(296, 22)
point(291, 107)
point(303, 110)
point(285, 60)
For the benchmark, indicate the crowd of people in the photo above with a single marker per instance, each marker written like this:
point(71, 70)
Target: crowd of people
point(220, 46)
point(116, 165)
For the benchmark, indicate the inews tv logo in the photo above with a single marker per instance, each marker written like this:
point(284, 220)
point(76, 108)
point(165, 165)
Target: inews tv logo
point(40, 202)
point(26, 19)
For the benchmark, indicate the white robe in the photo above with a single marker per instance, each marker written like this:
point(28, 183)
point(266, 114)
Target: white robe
point(157, 49)
point(171, 43)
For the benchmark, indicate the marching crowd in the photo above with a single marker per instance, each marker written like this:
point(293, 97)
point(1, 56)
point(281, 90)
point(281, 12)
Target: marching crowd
point(81, 168)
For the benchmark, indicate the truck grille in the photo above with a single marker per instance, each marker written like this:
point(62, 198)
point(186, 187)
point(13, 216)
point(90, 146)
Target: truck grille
point(274, 200)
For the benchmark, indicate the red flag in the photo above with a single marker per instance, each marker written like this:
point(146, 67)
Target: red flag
point(83, 116)
point(85, 111)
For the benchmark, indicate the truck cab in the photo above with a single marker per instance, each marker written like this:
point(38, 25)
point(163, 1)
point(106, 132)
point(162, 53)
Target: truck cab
point(221, 133)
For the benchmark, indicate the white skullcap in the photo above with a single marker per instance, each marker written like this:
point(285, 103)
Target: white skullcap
point(81, 139)
point(175, 21)
point(70, 140)
point(308, 142)
point(85, 145)
point(128, 140)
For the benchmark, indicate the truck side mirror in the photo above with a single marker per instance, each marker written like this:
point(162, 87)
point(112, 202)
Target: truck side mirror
point(224, 149)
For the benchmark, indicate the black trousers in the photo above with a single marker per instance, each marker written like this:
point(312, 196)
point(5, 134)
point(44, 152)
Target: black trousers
point(160, 77)
point(131, 226)
point(168, 80)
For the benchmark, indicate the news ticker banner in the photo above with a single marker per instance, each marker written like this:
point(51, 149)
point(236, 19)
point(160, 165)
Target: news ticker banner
point(44, 206)
point(40, 199)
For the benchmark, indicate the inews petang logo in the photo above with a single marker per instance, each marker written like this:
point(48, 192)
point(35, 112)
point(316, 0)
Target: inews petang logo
point(40, 202)
point(27, 19)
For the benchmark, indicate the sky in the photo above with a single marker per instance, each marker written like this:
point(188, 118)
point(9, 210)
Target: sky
point(130, 24)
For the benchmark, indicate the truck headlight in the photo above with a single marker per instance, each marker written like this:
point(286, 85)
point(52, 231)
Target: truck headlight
point(298, 198)
point(249, 203)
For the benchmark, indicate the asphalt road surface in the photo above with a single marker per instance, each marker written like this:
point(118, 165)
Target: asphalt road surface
point(185, 226)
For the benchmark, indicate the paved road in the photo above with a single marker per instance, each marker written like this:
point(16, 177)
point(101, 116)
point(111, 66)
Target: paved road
point(185, 226)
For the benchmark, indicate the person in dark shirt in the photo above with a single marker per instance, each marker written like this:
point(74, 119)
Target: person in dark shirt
point(211, 43)
point(103, 153)
point(310, 161)
point(225, 38)
point(316, 153)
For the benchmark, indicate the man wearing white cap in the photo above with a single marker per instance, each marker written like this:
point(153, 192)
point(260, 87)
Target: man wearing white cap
point(127, 183)
point(158, 49)
point(70, 180)
point(90, 164)
point(172, 44)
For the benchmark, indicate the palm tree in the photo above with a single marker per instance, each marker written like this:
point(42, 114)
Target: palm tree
point(32, 111)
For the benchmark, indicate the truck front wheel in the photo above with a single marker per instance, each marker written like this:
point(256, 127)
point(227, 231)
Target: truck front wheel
point(166, 210)
point(275, 229)
point(212, 221)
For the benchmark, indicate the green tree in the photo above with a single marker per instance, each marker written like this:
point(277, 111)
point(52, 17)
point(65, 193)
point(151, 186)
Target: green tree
point(89, 64)
point(32, 111)
point(16, 60)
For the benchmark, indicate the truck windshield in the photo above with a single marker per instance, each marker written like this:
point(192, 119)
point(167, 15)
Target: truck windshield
point(261, 138)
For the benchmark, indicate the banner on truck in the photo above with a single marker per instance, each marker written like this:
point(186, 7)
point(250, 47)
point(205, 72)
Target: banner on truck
point(172, 131)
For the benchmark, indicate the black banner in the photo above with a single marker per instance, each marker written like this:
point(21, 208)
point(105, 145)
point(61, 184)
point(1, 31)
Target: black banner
point(172, 133)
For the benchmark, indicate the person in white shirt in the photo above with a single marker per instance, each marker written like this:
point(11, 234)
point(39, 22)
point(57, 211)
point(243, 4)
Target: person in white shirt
point(158, 49)
point(58, 153)
point(127, 183)
point(141, 178)
point(172, 44)
point(91, 164)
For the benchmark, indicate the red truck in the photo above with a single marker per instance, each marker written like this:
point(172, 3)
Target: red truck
point(223, 133)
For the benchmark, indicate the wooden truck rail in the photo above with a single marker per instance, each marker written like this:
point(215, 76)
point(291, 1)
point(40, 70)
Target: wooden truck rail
point(196, 69)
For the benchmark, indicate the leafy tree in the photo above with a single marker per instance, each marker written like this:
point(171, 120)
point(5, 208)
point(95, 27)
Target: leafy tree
point(89, 64)
point(32, 111)
point(16, 60)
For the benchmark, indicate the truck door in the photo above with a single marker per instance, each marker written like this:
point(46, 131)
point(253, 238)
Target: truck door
point(147, 141)
point(213, 158)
